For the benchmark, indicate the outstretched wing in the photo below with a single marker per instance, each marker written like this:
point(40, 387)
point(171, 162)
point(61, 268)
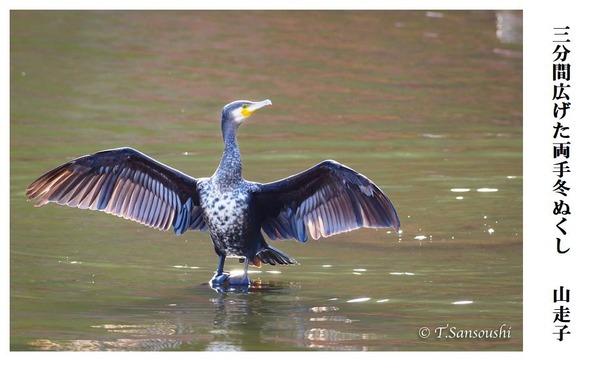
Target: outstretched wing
point(125, 183)
point(324, 200)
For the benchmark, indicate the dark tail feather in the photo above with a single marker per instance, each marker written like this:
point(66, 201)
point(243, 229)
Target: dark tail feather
point(270, 255)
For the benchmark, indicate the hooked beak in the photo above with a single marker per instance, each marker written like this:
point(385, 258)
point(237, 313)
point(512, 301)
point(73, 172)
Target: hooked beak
point(254, 107)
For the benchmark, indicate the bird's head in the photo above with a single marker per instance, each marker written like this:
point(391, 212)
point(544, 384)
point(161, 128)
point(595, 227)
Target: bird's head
point(236, 112)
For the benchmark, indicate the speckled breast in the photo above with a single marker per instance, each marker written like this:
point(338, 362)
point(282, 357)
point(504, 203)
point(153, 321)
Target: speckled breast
point(226, 214)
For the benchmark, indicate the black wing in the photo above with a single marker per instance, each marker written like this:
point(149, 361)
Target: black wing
point(125, 183)
point(324, 200)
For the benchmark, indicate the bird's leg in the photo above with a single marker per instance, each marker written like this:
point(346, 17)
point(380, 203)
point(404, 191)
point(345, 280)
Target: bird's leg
point(221, 265)
point(219, 277)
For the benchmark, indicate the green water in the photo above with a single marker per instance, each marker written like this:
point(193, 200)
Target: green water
point(427, 105)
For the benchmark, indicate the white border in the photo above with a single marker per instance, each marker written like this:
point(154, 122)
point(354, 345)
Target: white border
point(544, 362)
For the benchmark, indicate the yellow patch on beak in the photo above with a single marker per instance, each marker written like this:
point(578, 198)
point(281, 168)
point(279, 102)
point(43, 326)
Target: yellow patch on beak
point(246, 112)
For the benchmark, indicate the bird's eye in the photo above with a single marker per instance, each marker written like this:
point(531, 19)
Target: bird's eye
point(245, 106)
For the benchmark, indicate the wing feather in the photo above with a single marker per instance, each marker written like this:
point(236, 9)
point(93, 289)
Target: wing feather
point(125, 183)
point(324, 200)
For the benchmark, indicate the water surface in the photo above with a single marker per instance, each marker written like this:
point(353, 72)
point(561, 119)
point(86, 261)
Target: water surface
point(426, 104)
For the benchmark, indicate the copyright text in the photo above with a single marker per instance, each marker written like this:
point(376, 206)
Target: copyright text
point(453, 332)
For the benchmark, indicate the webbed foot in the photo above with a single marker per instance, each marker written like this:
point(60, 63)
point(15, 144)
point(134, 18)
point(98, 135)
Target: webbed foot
point(219, 279)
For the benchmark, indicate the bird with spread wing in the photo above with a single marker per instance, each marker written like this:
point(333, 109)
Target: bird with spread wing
point(324, 200)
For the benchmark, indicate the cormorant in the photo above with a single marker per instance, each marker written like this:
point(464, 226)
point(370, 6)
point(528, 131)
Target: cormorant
point(324, 200)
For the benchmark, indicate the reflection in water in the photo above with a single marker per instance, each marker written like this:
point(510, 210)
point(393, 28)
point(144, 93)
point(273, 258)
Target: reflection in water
point(155, 337)
point(324, 338)
point(240, 317)
point(245, 321)
point(240, 321)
